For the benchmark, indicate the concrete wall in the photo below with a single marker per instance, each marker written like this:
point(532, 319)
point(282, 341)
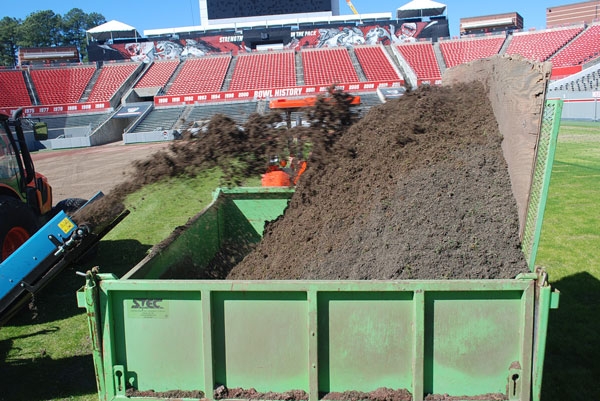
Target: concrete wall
point(109, 131)
point(152, 136)
point(579, 105)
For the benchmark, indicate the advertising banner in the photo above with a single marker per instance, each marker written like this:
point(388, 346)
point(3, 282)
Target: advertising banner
point(327, 35)
point(264, 94)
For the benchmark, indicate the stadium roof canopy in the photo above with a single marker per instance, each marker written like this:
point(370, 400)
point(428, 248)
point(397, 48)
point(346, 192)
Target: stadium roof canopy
point(112, 30)
point(420, 8)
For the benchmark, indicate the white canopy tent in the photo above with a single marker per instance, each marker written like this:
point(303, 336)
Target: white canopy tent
point(112, 30)
point(420, 8)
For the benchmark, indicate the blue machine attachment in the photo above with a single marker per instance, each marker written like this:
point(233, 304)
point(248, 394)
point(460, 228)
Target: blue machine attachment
point(57, 244)
point(33, 264)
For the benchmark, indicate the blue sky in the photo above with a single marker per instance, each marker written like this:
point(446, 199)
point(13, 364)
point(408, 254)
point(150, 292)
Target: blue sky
point(155, 14)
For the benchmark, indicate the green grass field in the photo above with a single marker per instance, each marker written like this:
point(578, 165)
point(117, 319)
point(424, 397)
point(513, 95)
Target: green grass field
point(48, 358)
point(569, 250)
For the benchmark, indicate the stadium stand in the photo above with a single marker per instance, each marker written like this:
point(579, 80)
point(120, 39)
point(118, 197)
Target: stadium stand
point(239, 111)
point(61, 85)
point(158, 74)
point(199, 75)
point(327, 66)
point(13, 91)
point(88, 120)
point(539, 46)
point(421, 58)
point(112, 77)
point(585, 81)
point(582, 49)
point(375, 63)
point(160, 119)
point(459, 51)
point(264, 70)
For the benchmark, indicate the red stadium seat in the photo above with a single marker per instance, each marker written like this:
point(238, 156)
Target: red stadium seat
point(421, 59)
point(461, 51)
point(13, 91)
point(111, 78)
point(264, 70)
point(158, 74)
point(61, 85)
point(539, 46)
point(375, 64)
point(584, 48)
point(200, 75)
point(328, 66)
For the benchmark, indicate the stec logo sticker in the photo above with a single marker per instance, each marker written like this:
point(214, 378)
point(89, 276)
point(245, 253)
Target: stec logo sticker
point(147, 308)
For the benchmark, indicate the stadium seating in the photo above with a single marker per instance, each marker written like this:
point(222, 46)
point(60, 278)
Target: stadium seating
point(200, 75)
point(588, 80)
point(13, 91)
point(61, 85)
point(327, 66)
point(158, 74)
point(459, 51)
point(111, 78)
point(421, 59)
point(375, 64)
point(584, 48)
point(539, 46)
point(264, 70)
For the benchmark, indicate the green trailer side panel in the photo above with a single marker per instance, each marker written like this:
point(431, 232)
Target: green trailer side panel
point(156, 332)
point(233, 221)
point(261, 340)
point(365, 340)
point(460, 337)
point(471, 341)
point(258, 212)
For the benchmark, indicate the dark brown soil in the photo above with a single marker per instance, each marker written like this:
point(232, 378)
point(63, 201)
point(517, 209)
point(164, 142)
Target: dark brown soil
point(239, 152)
point(165, 395)
point(418, 189)
point(446, 397)
point(381, 394)
point(223, 393)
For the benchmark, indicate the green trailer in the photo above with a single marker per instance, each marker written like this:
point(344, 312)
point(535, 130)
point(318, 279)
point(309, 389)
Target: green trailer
point(158, 338)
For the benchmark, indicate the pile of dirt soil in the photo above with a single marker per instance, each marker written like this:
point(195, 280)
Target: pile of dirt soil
point(418, 189)
point(239, 151)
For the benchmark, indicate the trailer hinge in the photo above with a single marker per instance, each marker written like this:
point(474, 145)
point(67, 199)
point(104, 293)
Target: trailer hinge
point(527, 276)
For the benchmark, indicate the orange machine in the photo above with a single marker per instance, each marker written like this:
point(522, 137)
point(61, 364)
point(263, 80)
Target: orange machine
point(277, 175)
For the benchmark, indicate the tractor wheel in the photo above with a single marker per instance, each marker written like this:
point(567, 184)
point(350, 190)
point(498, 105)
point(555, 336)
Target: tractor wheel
point(69, 205)
point(17, 224)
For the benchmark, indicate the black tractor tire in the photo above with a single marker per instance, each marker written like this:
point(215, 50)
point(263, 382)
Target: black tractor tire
point(17, 224)
point(69, 205)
